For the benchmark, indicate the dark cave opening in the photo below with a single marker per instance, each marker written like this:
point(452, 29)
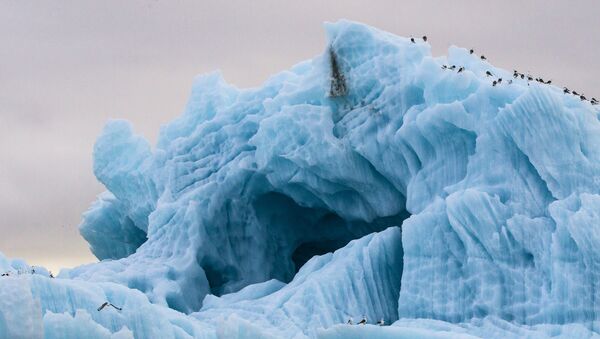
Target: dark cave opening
point(314, 230)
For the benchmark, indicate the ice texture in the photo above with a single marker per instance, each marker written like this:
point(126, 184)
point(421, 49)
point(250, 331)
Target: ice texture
point(368, 181)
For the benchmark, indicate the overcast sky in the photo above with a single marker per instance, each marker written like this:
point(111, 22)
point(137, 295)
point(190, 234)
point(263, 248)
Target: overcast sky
point(68, 66)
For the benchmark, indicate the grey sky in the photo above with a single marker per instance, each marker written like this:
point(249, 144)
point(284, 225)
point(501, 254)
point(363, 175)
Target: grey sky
point(68, 66)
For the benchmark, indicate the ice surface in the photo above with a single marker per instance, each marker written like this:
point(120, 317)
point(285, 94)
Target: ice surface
point(232, 217)
point(361, 279)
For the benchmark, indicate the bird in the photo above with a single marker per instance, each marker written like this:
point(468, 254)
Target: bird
point(488, 73)
point(530, 78)
point(460, 69)
point(350, 321)
point(425, 38)
point(381, 322)
point(499, 80)
point(548, 82)
point(363, 321)
point(582, 97)
point(483, 57)
point(106, 303)
point(594, 100)
point(412, 40)
point(566, 90)
point(522, 76)
point(515, 75)
point(494, 83)
point(453, 67)
point(471, 51)
point(444, 67)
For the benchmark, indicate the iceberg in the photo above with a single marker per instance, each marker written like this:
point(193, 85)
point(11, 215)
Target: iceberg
point(369, 182)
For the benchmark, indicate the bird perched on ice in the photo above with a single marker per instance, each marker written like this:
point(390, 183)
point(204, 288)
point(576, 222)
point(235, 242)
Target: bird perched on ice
point(488, 73)
point(381, 322)
point(471, 51)
point(412, 40)
point(350, 321)
point(566, 90)
point(363, 321)
point(460, 69)
point(425, 38)
point(106, 303)
point(483, 57)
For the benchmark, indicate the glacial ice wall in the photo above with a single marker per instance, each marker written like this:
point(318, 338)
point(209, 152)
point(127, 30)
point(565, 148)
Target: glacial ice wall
point(496, 188)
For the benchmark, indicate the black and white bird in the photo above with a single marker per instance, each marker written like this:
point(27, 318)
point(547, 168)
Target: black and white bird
point(575, 93)
point(453, 67)
point(412, 40)
point(381, 322)
point(566, 90)
point(350, 321)
point(471, 51)
point(494, 83)
point(425, 38)
point(106, 303)
point(483, 57)
point(488, 73)
point(444, 67)
point(460, 69)
point(363, 321)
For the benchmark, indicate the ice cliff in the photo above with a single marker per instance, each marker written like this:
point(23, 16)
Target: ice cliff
point(453, 207)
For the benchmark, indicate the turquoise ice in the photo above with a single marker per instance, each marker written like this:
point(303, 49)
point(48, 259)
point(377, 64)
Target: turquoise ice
point(366, 182)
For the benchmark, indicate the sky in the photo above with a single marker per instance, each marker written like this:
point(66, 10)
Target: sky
point(66, 67)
